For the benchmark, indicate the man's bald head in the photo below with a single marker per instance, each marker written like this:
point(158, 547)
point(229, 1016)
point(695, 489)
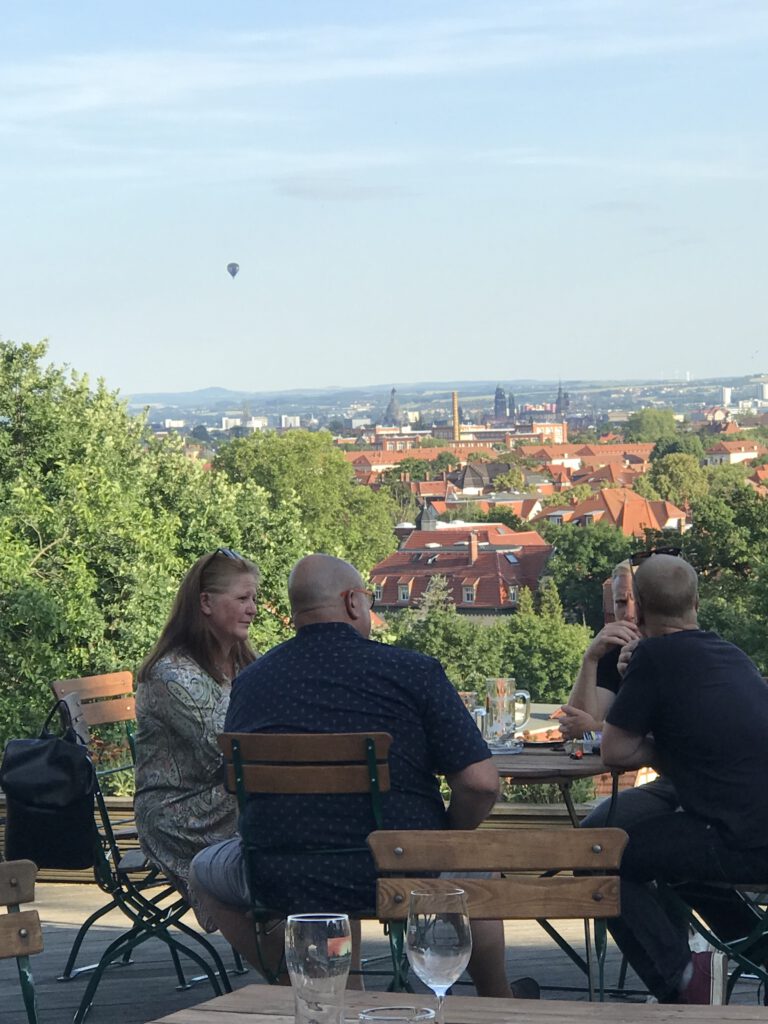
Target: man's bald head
point(667, 591)
point(322, 588)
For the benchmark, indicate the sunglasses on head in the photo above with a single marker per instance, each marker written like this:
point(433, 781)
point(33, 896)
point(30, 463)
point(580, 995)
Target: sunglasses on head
point(229, 553)
point(640, 556)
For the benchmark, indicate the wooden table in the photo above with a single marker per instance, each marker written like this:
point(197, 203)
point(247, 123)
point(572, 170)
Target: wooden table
point(555, 766)
point(266, 1004)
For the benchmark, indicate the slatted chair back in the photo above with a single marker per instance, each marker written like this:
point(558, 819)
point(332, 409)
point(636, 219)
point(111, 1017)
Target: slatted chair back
point(302, 764)
point(20, 933)
point(402, 856)
point(307, 763)
point(105, 699)
point(532, 884)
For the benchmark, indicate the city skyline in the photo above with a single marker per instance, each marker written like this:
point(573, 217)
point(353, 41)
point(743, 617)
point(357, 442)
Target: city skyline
point(553, 189)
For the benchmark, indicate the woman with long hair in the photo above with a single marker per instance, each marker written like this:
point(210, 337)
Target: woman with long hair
point(181, 701)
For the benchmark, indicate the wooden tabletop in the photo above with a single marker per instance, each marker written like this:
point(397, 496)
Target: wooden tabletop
point(265, 1004)
point(547, 765)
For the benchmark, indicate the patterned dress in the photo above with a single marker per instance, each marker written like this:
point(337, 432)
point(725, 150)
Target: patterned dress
point(181, 805)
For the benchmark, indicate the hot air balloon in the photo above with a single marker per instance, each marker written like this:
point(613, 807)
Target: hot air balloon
point(233, 269)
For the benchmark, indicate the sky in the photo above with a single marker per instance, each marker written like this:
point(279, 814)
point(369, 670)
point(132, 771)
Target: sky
point(420, 190)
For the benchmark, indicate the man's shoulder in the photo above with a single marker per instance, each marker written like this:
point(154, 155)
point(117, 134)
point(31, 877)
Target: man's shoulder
point(401, 656)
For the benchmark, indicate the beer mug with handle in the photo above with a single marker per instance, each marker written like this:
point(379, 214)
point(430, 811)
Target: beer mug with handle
point(503, 718)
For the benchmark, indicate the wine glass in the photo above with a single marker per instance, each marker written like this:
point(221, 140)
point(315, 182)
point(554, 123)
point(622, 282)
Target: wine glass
point(318, 954)
point(438, 940)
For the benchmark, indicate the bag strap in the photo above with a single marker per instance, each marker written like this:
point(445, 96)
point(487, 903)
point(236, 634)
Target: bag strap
point(67, 726)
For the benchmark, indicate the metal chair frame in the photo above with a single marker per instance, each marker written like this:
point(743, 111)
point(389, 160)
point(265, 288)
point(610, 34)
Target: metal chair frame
point(135, 886)
point(20, 932)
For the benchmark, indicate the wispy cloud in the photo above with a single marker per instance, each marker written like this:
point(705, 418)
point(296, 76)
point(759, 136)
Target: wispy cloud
point(238, 65)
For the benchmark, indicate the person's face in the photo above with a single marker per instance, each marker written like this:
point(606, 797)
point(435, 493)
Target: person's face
point(624, 599)
point(231, 612)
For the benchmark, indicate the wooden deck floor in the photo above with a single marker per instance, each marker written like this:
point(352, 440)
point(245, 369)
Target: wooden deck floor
point(146, 990)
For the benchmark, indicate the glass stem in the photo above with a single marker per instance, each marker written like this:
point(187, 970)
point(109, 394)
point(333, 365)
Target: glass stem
point(439, 1009)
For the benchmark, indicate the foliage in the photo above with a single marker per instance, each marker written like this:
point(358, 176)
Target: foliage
point(582, 791)
point(540, 649)
point(584, 557)
point(98, 522)
point(650, 425)
point(469, 650)
point(306, 470)
point(678, 478)
point(687, 443)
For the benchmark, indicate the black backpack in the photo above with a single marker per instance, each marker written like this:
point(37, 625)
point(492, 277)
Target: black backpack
point(49, 785)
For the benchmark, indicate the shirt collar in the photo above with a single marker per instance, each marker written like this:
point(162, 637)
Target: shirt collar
point(340, 629)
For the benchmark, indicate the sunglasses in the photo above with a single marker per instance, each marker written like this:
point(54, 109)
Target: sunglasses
point(229, 553)
point(640, 556)
point(361, 590)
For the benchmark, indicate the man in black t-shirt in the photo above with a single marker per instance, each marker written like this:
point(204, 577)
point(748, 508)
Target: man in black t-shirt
point(695, 707)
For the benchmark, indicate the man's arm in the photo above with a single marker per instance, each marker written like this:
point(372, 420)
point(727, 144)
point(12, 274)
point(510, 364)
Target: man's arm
point(474, 791)
point(585, 694)
point(622, 749)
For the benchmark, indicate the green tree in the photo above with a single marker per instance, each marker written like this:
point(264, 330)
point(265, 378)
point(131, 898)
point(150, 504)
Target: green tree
point(686, 443)
point(650, 425)
point(469, 649)
point(512, 480)
point(98, 522)
point(584, 557)
point(540, 649)
point(339, 517)
point(678, 478)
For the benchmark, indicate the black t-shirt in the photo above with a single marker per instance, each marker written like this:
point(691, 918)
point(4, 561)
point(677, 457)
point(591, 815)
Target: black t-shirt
point(328, 678)
point(608, 670)
point(706, 705)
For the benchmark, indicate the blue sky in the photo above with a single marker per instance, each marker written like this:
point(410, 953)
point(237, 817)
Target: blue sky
point(414, 191)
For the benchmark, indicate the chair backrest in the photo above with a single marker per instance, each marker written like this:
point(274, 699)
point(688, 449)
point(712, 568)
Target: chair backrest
point(292, 763)
point(20, 931)
point(104, 699)
point(518, 853)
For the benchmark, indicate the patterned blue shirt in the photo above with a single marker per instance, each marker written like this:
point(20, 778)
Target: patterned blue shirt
point(328, 678)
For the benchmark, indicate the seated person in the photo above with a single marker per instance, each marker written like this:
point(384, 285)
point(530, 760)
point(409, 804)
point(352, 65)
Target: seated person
point(592, 696)
point(696, 707)
point(181, 701)
point(332, 678)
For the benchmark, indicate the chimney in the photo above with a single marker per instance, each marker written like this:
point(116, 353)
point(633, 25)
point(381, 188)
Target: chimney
point(456, 424)
point(472, 547)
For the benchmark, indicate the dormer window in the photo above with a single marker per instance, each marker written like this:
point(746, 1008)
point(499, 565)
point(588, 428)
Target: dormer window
point(468, 595)
point(403, 593)
point(378, 593)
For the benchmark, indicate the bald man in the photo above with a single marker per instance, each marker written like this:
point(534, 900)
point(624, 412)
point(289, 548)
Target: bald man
point(695, 707)
point(332, 678)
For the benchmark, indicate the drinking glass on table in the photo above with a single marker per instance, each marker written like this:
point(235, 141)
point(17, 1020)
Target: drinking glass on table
point(318, 952)
point(438, 940)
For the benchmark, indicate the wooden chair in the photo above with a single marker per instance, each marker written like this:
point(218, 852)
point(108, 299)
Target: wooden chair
point(20, 932)
point(134, 885)
point(402, 858)
point(304, 763)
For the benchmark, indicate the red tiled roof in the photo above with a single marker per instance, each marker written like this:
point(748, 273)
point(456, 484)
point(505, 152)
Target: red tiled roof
point(492, 576)
point(622, 508)
point(496, 535)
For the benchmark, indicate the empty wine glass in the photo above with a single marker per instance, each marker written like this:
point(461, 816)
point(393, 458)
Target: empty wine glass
point(318, 953)
point(438, 940)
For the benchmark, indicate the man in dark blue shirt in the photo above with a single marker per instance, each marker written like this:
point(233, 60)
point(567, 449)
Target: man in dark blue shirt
point(331, 678)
